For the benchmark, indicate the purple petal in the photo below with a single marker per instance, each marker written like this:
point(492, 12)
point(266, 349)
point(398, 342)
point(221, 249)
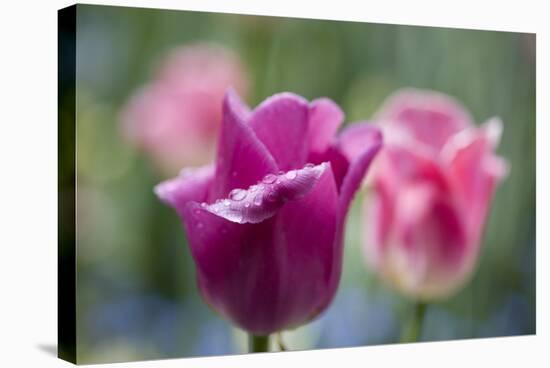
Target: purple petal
point(281, 123)
point(191, 184)
point(356, 138)
point(242, 158)
point(350, 185)
point(359, 162)
point(325, 117)
point(308, 226)
point(272, 275)
point(338, 162)
point(262, 200)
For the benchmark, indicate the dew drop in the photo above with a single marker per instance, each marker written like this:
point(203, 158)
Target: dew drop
point(237, 194)
point(258, 200)
point(309, 165)
point(203, 205)
point(291, 175)
point(247, 204)
point(226, 202)
point(269, 178)
point(237, 217)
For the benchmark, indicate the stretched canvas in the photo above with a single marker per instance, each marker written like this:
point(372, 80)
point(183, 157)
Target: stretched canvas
point(234, 184)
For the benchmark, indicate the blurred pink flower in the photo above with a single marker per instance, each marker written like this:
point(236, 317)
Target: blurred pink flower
point(432, 186)
point(176, 117)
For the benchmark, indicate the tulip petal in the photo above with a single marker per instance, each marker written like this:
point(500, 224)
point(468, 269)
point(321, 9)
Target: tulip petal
point(432, 242)
point(358, 137)
point(325, 117)
point(338, 162)
point(402, 165)
point(350, 185)
point(281, 123)
point(191, 184)
point(427, 222)
point(242, 158)
point(475, 170)
point(309, 228)
point(431, 117)
point(360, 143)
point(397, 167)
point(263, 200)
point(350, 144)
point(271, 275)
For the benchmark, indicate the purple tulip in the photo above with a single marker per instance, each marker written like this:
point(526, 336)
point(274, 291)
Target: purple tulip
point(265, 223)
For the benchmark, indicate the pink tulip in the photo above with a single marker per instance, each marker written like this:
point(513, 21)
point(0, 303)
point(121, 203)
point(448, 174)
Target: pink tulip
point(432, 186)
point(175, 118)
point(265, 222)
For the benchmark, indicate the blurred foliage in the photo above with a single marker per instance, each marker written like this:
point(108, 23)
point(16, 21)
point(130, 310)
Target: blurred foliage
point(136, 295)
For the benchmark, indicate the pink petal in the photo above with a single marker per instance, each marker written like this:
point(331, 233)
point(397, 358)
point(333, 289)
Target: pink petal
point(400, 165)
point(264, 199)
point(281, 123)
point(418, 240)
point(242, 158)
point(475, 170)
point(427, 222)
point(192, 184)
point(271, 275)
point(431, 117)
point(433, 234)
point(379, 209)
point(325, 117)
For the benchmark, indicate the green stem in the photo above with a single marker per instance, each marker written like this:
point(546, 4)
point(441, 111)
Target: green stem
point(280, 342)
point(258, 344)
point(413, 329)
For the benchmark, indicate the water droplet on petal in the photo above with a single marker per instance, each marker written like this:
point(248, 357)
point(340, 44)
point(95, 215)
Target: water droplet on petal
point(226, 202)
point(269, 179)
point(309, 165)
point(258, 200)
point(237, 217)
point(291, 175)
point(204, 205)
point(237, 194)
point(247, 204)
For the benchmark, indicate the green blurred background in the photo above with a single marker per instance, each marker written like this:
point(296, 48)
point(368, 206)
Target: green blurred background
point(136, 293)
